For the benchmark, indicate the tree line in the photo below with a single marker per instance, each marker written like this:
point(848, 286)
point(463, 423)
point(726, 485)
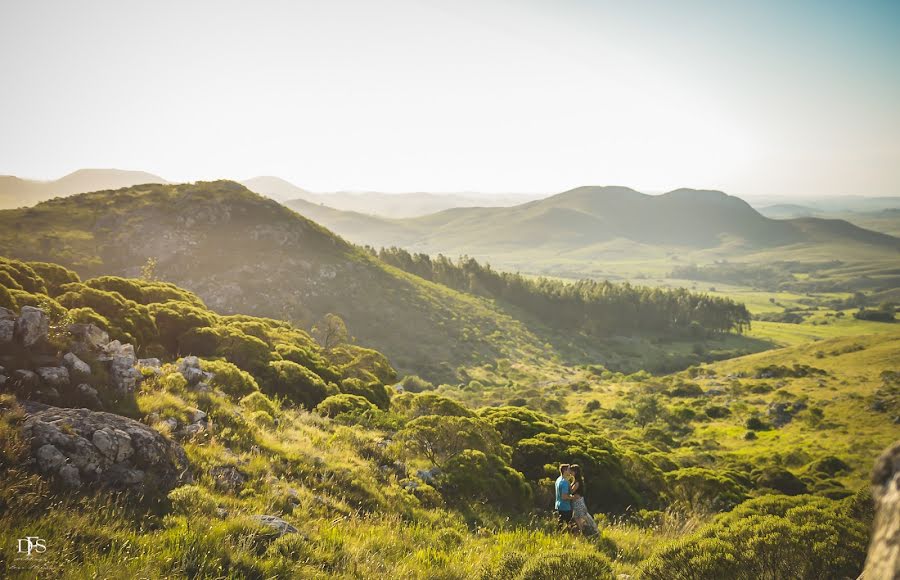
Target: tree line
point(590, 306)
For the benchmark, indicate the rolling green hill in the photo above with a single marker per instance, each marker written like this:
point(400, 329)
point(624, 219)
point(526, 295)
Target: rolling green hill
point(615, 232)
point(244, 253)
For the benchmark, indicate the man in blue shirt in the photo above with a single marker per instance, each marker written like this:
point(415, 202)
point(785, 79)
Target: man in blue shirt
point(563, 498)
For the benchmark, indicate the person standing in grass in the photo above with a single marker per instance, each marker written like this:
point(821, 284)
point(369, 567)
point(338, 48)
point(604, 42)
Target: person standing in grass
point(563, 506)
point(580, 513)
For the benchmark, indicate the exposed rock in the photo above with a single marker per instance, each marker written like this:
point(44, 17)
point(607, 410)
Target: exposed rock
point(25, 379)
point(189, 367)
point(192, 430)
point(89, 336)
point(54, 376)
point(152, 363)
point(198, 416)
point(32, 326)
point(121, 360)
point(88, 396)
point(884, 552)
point(75, 365)
point(276, 523)
point(428, 475)
point(80, 447)
point(228, 478)
point(70, 476)
point(49, 458)
point(7, 325)
point(115, 444)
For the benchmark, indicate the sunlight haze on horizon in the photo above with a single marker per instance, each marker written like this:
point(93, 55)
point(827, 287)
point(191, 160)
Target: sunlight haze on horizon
point(759, 99)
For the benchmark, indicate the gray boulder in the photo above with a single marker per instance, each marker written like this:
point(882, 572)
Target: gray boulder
point(75, 365)
point(189, 367)
point(26, 379)
point(88, 396)
point(121, 365)
point(55, 377)
point(32, 326)
point(153, 363)
point(228, 478)
point(88, 336)
point(83, 448)
point(7, 325)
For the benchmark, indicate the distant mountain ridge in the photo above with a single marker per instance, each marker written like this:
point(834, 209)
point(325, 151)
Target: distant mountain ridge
point(18, 192)
point(591, 215)
point(389, 205)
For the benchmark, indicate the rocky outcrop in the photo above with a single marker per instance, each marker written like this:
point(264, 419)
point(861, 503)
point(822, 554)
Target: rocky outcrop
point(883, 562)
point(80, 448)
point(31, 326)
point(88, 336)
point(7, 325)
point(121, 361)
point(75, 365)
point(189, 367)
point(56, 377)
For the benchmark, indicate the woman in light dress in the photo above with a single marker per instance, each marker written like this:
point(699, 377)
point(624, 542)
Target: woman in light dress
point(580, 514)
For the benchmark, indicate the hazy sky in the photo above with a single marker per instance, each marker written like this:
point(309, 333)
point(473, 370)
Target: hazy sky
point(755, 97)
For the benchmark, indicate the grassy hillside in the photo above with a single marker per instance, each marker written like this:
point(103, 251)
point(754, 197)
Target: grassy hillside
point(346, 465)
point(244, 253)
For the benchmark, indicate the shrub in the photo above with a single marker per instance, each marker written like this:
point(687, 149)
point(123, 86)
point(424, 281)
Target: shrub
point(412, 405)
point(228, 377)
point(572, 566)
point(375, 392)
point(339, 404)
point(257, 401)
point(592, 405)
point(704, 489)
point(306, 355)
point(717, 412)
point(6, 298)
point(756, 424)
point(23, 275)
point(173, 319)
point(829, 465)
point(415, 384)
point(439, 438)
point(769, 537)
point(780, 480)
point(295, 383)
point(515, 423)
point(262, 419)
point(54, 275)
point(473, 475)
point(192, 500)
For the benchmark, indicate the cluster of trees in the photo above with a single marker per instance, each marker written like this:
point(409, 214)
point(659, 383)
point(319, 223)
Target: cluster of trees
point(585, 306)
point(884, 313)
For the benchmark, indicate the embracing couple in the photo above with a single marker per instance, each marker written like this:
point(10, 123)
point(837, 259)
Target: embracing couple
point(570, 506)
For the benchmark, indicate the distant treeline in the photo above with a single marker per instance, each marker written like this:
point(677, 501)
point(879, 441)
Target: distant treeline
point(586, 305)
